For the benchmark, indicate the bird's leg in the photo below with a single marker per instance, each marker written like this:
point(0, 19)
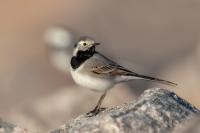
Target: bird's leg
point(97, 108)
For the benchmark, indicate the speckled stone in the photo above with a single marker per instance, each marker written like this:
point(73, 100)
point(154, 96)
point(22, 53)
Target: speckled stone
point(191, 126)
point(155, 111)
point(10, 128)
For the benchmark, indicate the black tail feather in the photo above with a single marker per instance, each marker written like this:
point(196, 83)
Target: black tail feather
point(157, 80)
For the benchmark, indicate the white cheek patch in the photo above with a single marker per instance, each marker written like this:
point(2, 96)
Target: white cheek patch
point(75, 51)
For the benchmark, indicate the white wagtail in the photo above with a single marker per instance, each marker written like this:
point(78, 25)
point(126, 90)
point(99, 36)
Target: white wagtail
point(93, 70)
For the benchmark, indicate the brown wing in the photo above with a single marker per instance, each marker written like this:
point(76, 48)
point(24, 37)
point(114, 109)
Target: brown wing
point(107, 67)
point(121, 71)
point(113, 70)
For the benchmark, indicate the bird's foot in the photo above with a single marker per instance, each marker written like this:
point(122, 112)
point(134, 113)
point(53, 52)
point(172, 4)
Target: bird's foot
point(95, 111)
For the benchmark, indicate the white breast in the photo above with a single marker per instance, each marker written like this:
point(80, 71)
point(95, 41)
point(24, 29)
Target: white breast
point(90, 82)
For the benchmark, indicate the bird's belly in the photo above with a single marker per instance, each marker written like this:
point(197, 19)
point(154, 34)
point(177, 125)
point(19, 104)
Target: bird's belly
point(91, 82)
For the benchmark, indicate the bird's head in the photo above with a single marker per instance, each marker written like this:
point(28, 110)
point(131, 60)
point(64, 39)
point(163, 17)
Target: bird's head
point(85, 44)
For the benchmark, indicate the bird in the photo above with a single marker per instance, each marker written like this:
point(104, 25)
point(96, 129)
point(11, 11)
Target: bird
point(91, 69)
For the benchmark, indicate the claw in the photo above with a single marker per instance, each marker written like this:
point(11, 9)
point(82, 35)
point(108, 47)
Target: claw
point(95, 112)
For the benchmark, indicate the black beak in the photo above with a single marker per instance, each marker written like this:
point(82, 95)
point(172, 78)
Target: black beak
point(97, 44)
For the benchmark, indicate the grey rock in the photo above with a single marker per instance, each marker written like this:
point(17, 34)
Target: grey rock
point(191, 126)
point(155, 111)
point(10, 128)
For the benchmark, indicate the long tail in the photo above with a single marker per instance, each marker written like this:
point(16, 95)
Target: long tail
point(157, 80)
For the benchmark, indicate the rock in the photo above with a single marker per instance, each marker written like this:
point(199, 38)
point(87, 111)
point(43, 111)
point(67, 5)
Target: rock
point(155, 111)
point(10, 128)
point(192, 126)
point(64, 104)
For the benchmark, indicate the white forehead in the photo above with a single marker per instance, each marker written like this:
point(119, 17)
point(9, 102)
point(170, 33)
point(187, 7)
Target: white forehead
point(87, 41)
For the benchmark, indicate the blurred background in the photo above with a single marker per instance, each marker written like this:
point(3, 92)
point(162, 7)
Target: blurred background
point(156, 38)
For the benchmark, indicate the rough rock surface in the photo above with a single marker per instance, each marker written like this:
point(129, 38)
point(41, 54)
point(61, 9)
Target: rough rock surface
point(155, 111)
point(192, 126)
point(52, 110)
point(10, 128)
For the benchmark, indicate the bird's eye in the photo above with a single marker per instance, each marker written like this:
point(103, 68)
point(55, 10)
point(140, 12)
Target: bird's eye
point(84, 44)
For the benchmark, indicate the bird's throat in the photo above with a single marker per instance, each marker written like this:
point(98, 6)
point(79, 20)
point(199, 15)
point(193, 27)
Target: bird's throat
point(80, 58)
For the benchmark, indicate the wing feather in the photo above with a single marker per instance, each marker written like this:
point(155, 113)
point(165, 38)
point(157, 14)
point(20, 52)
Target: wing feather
point(113, 70)
point(110, 68)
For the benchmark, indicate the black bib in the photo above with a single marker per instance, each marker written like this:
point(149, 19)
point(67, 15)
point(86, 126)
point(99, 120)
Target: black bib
point(81, 57)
